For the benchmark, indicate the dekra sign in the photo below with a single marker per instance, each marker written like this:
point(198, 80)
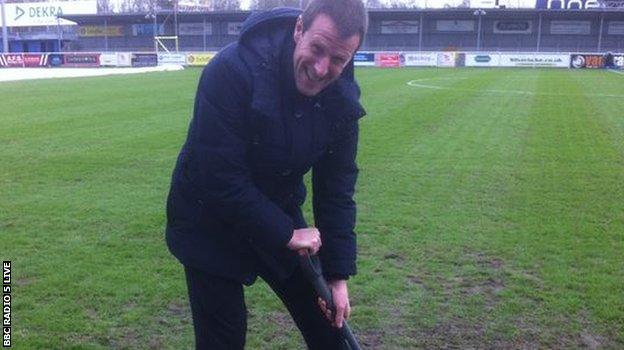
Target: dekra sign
point(39, 11)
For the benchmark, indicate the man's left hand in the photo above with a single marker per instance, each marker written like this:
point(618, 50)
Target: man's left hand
point(340, 295)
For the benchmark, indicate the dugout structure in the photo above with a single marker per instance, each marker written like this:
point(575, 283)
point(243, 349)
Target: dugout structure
point(520, 30)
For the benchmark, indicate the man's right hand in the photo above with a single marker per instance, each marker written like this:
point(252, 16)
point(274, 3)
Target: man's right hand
point(306, 238)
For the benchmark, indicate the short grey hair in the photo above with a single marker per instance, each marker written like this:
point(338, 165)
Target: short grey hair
point(350, 16)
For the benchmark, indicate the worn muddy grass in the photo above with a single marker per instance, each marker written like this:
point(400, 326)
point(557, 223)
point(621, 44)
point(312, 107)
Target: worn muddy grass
point(490, 212)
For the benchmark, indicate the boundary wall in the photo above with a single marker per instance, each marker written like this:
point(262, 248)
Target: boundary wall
point(384, 59)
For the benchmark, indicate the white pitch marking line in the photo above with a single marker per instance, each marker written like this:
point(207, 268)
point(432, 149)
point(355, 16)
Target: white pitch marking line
point(616, 71)
point(415, 83)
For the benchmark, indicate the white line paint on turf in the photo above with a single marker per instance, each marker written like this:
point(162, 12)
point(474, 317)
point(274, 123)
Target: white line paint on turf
point(616, 71)
point(432, 86)
point(10, 74)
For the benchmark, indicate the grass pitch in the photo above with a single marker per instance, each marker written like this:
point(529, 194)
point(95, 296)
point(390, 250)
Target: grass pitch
point(491, 212)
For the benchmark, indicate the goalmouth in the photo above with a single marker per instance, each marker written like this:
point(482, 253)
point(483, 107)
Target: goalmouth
point(166, 44)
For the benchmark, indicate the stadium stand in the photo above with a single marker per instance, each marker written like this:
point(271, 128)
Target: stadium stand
point(526, 30)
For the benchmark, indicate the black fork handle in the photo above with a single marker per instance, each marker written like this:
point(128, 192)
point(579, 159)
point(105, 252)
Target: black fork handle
point(311, 267)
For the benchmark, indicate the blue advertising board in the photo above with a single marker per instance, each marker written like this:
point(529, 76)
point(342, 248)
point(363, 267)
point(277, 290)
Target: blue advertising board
point(144, 60)
point(364, 59)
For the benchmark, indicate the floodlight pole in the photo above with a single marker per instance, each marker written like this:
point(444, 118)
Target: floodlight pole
point(479, 13)
point(175, 21)
point(600, 32)
point(5, 32)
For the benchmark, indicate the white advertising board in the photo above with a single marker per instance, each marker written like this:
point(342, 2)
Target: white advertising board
point(615, 28)
point(570, 27)
point(534, 60)
point(399, 27)
point(446, 59)
point(417, 59)
point(124, 59)
point(171, 58)
point(35, 14)
point(462, 25)
point(196, 28)
point(482, 60)
point(109, 59)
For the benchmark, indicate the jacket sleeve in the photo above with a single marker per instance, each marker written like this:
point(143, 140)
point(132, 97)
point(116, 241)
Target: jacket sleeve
point(333, 181)
point(220, 171)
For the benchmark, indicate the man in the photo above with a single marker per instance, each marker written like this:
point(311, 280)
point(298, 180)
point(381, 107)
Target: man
point(270, 107)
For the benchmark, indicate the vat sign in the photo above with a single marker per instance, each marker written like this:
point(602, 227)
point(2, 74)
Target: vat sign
point(567, 4)
point(34, 14)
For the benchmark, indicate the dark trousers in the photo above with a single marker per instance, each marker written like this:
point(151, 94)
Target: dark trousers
point(220, 314)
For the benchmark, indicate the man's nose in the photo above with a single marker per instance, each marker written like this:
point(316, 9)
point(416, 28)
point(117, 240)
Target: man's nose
point(321, 67)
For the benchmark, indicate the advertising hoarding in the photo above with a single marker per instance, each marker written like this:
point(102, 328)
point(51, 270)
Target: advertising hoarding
point(81, 59)
point(566, 4)
point(482, 60)
point(144, 60)
point(124, 59)
point(364, 59)
point(12, 60)
point(171, 58)
point(96, 31)
point(618, 61)
point(615, 28)
point(443, 25)
point(55, 60)
point(446, 59)
point(568, 27)
point(387, 59)
point(400, 27)
point(35, 14)
point(196, 28)
point(587, 61)
point(534, 60)
point(418, 59)
point(524, 26)
point(147, 29)
point(35, 60)
point(109, 59)
point(198, 58)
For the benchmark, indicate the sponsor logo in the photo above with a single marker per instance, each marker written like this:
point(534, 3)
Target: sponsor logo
point(18, 13)
point(567, 4)
point(364, 57)
point(483, 58)
point(578, 61)
point(198, 59)
point(587, 61)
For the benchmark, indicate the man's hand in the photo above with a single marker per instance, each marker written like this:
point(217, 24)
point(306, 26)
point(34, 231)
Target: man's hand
point(340, 295)
point(306, 238)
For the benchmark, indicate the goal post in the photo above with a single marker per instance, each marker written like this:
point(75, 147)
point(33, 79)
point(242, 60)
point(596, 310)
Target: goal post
point(166, 43)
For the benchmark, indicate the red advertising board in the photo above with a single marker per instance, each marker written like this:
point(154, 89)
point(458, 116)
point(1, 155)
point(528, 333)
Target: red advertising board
point(35, 60)
point(12, 60)
point(81, 60)
point(587, 61)
point(390, 59)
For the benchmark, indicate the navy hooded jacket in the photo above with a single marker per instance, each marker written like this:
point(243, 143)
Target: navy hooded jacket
point(237, 186)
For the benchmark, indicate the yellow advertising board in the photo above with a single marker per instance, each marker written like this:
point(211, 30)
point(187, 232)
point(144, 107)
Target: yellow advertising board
point(199, 58)
point(86, 31)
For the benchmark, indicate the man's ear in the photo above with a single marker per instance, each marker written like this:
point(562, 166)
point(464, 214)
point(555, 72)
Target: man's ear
point(298, 33)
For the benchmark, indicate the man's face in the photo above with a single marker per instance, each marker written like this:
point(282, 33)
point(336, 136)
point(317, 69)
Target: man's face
point(320, 54)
